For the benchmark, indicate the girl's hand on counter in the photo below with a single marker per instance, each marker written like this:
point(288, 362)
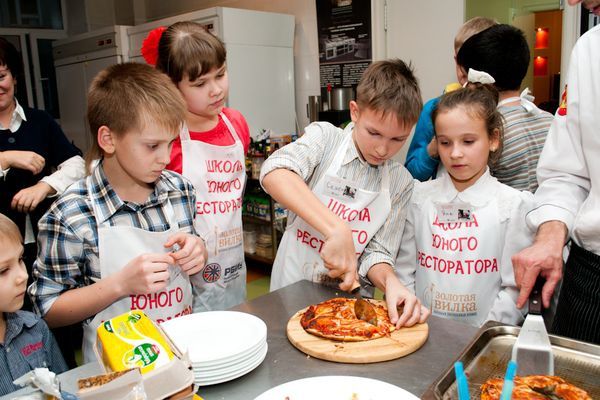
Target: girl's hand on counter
point(339, 255)
point(413, 312)
point(191, 255)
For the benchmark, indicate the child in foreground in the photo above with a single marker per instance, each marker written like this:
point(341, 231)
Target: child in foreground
point(122, 238)
point(25, 340)
point(348, 197)
point(462, 228)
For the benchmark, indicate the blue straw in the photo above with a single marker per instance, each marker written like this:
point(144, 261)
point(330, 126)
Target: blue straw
point(461, 381)
point(509, 379)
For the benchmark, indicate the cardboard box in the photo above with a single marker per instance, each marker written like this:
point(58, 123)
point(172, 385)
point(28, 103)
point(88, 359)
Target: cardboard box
point(133, 340)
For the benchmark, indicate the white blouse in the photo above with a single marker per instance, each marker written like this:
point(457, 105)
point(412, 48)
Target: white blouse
point(456, 250)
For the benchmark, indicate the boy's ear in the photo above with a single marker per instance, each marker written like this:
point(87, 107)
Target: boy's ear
point(354, 111)
point(106, 139)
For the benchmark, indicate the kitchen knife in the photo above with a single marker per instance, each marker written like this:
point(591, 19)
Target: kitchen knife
point(362, 308)
point(532, 351)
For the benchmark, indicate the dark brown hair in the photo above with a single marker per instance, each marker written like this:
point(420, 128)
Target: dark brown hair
point(129, 96)
point(9, 57)
point(479, 101)
point(390, 86)
point(187, 49)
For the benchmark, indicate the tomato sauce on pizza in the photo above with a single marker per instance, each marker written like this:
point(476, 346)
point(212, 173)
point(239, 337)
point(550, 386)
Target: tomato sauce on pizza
point(534, 387)
point(335, 319)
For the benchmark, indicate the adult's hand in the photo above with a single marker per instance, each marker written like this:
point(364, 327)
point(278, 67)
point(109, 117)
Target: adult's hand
point(26, 200)
point(432, 148)
point(27, 160)
point(545, 258)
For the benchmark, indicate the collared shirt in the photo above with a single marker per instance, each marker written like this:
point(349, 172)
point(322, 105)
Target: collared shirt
point(457, 268)
point(310, 156)
point(28, 344)
point(569, 166)
point(68, 233)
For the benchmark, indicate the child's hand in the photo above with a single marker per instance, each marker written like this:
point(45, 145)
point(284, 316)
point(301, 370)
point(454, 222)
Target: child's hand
point(414, 312)
point(191, 255)
point(339, 255)
point(432, 148)
point(146, 273)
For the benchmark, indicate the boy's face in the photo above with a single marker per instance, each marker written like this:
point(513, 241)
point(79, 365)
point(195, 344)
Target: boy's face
point(205, 97)
point(13, 275)
point(138, 157)
point(377, 138)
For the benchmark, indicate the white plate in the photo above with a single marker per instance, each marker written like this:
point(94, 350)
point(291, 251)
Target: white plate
point(202, 373)
point(336, 388)
point(233, 375)
point(215, 335)
point(230, 360)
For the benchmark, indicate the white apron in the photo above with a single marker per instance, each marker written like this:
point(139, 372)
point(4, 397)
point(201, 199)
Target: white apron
point(218, 174)
point(117, 245)
point(458, 273)
point(364, 211)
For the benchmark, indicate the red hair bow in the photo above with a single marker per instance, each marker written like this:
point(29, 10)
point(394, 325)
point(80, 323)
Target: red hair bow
point(150, 45)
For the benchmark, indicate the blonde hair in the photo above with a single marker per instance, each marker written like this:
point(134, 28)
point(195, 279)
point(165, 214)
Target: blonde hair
point(390, 86)
point(130, 96)
point(186, 48)
point(9, 230)
point(470, 28)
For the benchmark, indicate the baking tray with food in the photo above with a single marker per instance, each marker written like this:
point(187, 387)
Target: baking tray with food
point(490, 351)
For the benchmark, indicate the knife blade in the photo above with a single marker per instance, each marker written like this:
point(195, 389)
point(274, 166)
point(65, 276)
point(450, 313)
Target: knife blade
point(362, 308)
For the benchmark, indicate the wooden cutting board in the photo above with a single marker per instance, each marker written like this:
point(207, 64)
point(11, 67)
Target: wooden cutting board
point(400, 343)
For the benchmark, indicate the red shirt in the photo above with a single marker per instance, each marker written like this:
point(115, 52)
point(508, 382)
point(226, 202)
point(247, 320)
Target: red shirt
point(219, 136)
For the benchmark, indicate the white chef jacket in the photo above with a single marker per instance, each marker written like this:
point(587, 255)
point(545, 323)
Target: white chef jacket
point(463, 270)
point(569, 167)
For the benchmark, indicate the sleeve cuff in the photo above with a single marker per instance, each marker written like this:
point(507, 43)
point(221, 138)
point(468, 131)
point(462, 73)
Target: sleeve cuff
point(548, 212)
point(368, 261)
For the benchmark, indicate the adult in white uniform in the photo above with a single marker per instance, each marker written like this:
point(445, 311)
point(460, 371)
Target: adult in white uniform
point(347, 198)
point(568, 200)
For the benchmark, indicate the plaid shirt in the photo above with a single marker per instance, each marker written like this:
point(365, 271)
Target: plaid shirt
point(68, 232)
point(28, 344)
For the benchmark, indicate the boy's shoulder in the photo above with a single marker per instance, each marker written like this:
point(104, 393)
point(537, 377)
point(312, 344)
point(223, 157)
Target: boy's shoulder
point(74, 200)
point(26, 319)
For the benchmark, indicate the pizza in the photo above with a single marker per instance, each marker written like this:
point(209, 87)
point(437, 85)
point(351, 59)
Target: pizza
point(535, 387)
point(335, 319)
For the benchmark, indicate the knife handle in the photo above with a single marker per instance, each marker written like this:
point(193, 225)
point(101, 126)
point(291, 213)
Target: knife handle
point(535, 298)
point(355, 287)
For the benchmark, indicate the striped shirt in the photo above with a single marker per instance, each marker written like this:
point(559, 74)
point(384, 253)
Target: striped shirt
point(311, 155)
point(524, 137)
point(28, 344)
point(68, 232)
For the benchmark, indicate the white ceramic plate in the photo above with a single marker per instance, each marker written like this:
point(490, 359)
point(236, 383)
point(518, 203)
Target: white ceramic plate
point(230, 360)
point(232, 375)
point(337, 388)
point(203, 373)
point(216, 336)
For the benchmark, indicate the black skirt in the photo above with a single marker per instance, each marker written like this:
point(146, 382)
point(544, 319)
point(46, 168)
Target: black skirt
point(578, 309)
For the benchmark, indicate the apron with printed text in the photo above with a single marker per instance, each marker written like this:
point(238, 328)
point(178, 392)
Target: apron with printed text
point(458, 273)
point(218, 174)
point(364, 211)
point(117, 245)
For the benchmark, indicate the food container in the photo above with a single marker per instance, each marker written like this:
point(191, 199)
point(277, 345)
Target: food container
point(341, 97)
point(489, 352)
point(132, 339)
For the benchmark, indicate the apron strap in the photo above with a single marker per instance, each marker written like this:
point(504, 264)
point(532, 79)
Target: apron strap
point(526, 100)
point(339, 155)
point(231, 128)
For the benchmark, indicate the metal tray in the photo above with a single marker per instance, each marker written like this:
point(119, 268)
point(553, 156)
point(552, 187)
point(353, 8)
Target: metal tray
point(489, 352)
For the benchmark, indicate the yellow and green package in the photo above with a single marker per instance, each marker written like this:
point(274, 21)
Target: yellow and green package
point(132, 340)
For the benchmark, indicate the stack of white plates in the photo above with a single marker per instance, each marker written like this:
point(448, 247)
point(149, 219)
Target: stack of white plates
point(222, 345)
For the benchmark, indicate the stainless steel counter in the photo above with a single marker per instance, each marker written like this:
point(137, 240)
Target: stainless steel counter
point(415, 372)
point(284, 362)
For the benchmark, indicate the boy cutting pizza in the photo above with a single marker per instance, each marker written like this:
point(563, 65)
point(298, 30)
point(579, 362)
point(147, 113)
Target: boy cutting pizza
point(347, 197)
